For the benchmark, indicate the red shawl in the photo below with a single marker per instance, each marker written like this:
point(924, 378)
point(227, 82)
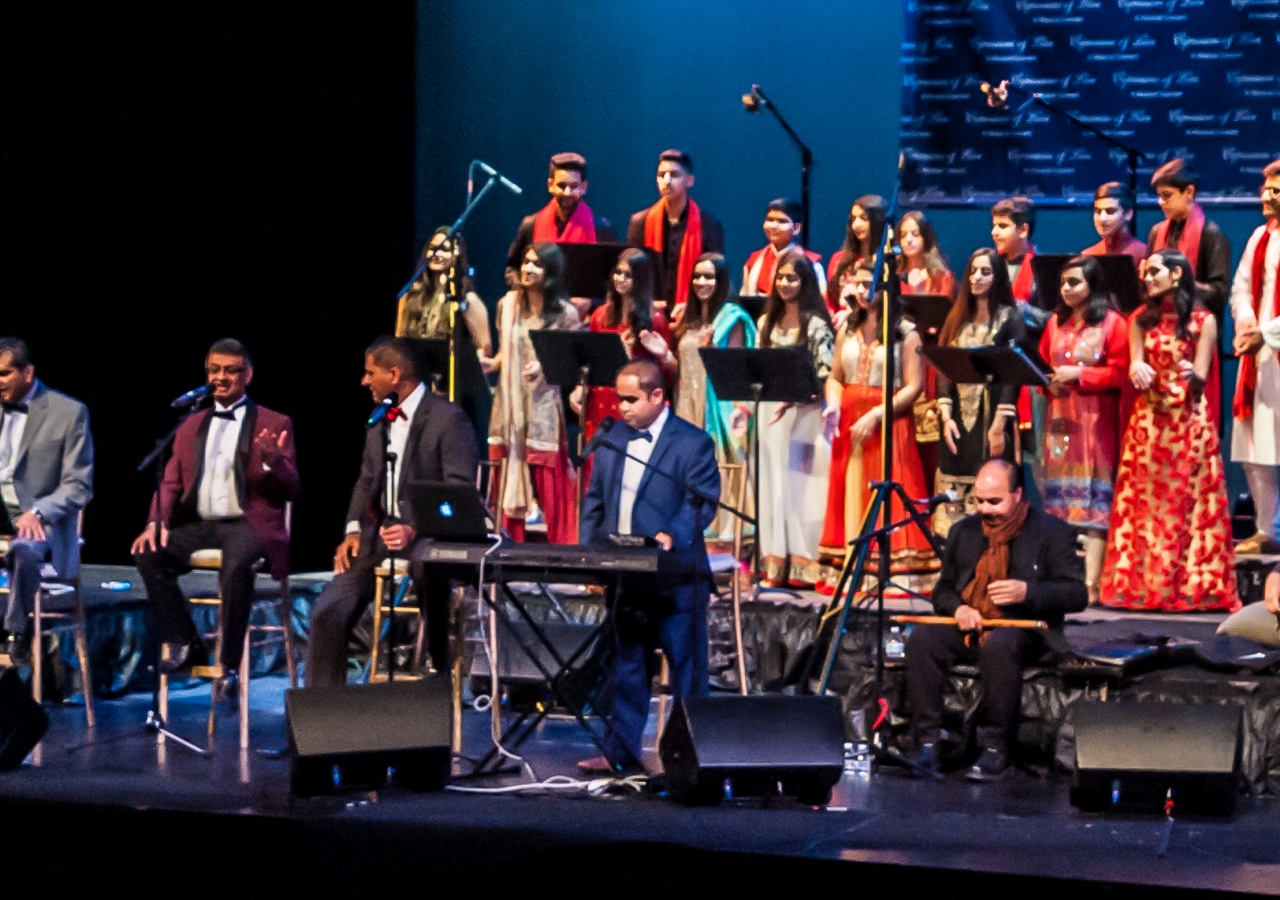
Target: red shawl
point(1247, 381)
point(580, 229)
point(690, 247)
point(1188, 243)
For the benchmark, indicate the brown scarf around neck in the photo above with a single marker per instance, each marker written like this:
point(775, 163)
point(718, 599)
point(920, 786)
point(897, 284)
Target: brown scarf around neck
point(993, 565)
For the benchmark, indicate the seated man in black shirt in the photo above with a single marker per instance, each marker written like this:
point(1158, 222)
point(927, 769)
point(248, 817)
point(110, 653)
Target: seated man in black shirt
point(1009, 561)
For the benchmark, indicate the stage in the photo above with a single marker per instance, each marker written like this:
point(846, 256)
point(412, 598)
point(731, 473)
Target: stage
point(170, 819)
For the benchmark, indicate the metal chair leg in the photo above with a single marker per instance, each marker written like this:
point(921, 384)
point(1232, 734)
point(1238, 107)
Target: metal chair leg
point(286, 616)
point(82, 654)
point(37, 648)
point(244, 692)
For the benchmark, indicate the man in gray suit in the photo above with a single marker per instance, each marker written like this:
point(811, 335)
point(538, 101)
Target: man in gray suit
point(46, 478)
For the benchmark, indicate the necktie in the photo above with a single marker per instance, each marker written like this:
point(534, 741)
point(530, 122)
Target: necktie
point(644, 435)
point(14, 407)
point(394, 413)
point(227, 414)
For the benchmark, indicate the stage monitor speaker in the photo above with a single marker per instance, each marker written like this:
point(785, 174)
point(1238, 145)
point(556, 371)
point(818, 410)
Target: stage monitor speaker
point(353, 736)
point(716, 747)
point(22, 720)
point(1134, 753)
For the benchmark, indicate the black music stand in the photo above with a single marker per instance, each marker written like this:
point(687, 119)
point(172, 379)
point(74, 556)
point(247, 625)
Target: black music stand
point(929, 312)
point(775, 375)
point(588, 268)
point(1010, 364)
point(752, 303)
point(1119, 275)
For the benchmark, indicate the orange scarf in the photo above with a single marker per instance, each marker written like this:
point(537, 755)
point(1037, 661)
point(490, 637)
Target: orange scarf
point(690, 247)
point(993, 565)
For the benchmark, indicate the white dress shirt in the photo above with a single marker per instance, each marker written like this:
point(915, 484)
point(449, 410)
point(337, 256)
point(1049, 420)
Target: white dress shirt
point(633, 472)
point(11, 431)
point(218, 497)
point(399, 437)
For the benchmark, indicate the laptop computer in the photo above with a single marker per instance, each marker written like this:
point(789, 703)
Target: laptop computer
point(448, 512)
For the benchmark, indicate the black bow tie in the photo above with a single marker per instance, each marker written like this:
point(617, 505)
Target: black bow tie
point(227, 414)
point(14, 407)
point(644, 435)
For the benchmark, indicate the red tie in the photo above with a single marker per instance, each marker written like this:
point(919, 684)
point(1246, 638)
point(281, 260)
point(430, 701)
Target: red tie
point(394, 413)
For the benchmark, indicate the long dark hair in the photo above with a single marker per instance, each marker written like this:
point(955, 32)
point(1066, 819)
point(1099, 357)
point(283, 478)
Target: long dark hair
point(424, 286)
point(877, 210)
point(641, 317)
point(935, 261)
point(858, 315)
point(1100, 299)
point(966, 306)
point(697, 314)
point(554, 291)
point(1184, 295)
point(811, 303)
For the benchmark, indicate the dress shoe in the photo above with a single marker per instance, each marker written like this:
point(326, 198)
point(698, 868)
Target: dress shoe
point(992, 765)
point(928, 756)
point(1259, 543)
point(182, 656)
point(226, 692)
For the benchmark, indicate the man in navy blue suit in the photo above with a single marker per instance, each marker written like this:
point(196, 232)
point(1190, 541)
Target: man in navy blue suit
point(657, 501)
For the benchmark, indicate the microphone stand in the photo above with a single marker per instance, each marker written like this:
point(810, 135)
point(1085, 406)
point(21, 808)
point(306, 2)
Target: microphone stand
point(752, 102)
point(155, 722)
point(390, 517)
point(887, 286)
point(1132, 155)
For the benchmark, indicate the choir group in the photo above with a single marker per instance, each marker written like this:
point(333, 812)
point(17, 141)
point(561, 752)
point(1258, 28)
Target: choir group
point(1123, 443)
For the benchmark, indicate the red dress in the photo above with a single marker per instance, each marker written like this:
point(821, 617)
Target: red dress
point(860, 368)
point(603, 401)
point(1169, 547)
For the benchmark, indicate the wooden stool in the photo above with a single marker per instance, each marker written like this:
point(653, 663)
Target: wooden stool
point(385, 610)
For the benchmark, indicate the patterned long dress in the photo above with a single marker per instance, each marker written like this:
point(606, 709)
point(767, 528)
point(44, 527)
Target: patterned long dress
point(1169, 547)
point(860, 368)
point(795, 458)
point(1082, 428)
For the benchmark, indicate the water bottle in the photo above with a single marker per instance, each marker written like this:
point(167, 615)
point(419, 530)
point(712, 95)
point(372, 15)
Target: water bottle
point(895, 644)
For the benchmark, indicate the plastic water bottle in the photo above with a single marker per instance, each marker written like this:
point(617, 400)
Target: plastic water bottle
point(895, 644)
point(857, 760)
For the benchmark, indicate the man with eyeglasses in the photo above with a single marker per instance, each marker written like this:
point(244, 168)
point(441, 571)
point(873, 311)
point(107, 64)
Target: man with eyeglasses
point(1010, 561)
point(565, 218)
point(1255, 307)
point(645, 473)
point(232, 471)
point(46, 478)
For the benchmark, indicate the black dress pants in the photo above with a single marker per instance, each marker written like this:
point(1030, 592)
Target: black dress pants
point(241, 549)
point(933, 649)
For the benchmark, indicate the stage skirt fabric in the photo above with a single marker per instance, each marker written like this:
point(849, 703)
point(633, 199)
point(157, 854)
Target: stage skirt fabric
point(1169, 547)
point(1082, 428)
point(794, 461)
point(554, 486)
point(849, 492)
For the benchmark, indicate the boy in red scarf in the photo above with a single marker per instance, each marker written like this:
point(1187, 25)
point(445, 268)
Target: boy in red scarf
point(675, 230)
point(1013, 220)
point(1185, 228)
point(565, 217)
point(782, 224)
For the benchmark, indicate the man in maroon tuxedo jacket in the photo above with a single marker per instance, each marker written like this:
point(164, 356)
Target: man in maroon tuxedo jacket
point(232, 471)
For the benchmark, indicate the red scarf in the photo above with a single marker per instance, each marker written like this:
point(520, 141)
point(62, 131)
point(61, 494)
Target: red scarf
point(1188, 243)
point(764, 282)
point(690, 247)
point(1026, 279)
point(1247, 381)
point(580, 229)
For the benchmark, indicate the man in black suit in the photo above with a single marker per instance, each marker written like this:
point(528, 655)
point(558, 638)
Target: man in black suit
point(433, 441)
point(1009, 561)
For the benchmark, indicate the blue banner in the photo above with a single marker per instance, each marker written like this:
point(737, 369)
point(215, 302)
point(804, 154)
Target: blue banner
point(1199, 79)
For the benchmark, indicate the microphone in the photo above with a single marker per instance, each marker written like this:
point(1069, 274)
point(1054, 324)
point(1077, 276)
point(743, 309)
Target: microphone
point(192, 397)
point(494, 173)
point(380, 412)
point(598, 438)
point(997, 95)
point(934, 502)
point(753, 101)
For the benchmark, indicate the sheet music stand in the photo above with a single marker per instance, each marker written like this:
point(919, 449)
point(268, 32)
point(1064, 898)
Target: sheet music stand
point(588, 268)
point(1010, 364)
point(775, 375)
point(1119, 276)
point(929, 312)
point(752, 303)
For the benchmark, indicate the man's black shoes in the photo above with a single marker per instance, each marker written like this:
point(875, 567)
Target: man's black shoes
point(182, 656)
point(993, 764)
point(226, 692)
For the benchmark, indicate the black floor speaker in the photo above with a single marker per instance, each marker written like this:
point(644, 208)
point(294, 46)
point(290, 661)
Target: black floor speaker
point(22, 721)
point(716, 747)
point(354, 736)
point(1134, 753)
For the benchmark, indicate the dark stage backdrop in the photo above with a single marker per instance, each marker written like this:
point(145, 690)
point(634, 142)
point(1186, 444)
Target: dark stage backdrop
point(176, 173)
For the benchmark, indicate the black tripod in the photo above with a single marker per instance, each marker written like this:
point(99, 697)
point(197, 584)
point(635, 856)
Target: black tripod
point(878, 524)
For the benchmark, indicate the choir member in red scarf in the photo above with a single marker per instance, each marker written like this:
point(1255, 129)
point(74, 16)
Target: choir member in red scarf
point(782, 222)
point(565, 218)
point(1012, 222)
point(675, 230)
point(1113, 206)
point(865, 232)
point(1186, 229)
point(1255, 307)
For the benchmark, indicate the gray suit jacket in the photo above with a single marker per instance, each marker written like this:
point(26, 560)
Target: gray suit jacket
point(54, 474)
